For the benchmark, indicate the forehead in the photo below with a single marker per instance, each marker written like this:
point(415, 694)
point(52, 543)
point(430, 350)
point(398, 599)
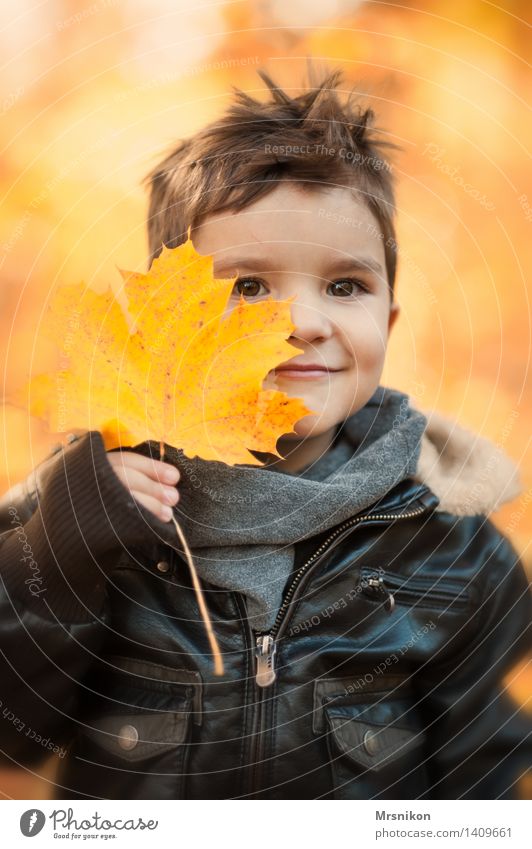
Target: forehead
point(296, 226)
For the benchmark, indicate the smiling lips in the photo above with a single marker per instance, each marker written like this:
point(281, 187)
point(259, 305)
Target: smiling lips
point(303, 372)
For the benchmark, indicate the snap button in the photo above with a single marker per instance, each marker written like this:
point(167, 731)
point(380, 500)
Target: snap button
point(163, 566)
point(128, 737)
point(371, 742)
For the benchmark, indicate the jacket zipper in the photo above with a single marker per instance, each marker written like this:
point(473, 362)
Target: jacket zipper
point(410, 589)
point(259, 696)
point(266, 641)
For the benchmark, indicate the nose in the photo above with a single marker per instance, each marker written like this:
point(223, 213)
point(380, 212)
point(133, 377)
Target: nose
point(311, 323)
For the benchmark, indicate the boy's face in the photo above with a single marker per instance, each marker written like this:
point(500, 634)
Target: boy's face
point(323, 246)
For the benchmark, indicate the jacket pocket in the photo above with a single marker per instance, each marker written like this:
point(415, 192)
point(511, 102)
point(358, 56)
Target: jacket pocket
point(375, 749)
point(135, 735)
point(426, 591)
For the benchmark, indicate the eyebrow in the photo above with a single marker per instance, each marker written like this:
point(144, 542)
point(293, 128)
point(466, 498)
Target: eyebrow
point(342, 264)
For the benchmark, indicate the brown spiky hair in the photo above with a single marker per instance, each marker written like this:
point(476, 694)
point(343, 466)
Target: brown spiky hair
point(232, 162)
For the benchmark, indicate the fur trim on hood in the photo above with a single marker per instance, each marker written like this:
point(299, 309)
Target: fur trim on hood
point(469, 473)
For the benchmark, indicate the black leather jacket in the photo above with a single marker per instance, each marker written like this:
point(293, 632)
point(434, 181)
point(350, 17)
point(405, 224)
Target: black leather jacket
point(384, 676)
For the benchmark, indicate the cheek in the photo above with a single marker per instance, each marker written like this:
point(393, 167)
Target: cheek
point(365, 341)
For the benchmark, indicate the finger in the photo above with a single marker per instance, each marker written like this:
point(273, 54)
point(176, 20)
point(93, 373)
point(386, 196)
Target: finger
point(161, 511)
point(133, 479)
point(155, 469)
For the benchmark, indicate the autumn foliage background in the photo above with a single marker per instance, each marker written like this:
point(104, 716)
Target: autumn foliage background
point(91, 94)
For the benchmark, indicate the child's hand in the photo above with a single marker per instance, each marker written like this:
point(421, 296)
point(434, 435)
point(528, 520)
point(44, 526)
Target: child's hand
point(151, 482)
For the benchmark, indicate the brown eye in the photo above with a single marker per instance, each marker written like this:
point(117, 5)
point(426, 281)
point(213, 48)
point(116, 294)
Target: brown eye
point(247, 286)
point(347, 286)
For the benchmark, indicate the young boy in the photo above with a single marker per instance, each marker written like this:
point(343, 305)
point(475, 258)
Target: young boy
point(366, 607)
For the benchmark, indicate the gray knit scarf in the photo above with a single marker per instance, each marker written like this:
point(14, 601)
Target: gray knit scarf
point(241, 522)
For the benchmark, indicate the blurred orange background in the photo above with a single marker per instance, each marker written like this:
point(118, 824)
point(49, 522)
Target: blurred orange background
point(92, 94)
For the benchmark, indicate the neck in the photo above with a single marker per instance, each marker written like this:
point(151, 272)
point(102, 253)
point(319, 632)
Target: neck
point(297, 453)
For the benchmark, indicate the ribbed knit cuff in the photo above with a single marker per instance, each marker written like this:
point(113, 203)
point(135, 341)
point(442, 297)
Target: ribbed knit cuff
point(56, 563)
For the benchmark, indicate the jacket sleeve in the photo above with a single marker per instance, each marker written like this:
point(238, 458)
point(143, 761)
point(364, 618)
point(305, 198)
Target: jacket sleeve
point(61, 532)
point(480, 738)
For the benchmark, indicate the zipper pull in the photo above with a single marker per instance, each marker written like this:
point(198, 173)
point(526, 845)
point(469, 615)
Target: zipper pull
point(377, 584)
point(265, 652)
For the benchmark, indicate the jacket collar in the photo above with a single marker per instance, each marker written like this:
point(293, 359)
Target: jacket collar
point(467, 472)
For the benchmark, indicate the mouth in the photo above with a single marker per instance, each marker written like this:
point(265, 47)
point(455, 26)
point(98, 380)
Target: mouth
point(303, 372)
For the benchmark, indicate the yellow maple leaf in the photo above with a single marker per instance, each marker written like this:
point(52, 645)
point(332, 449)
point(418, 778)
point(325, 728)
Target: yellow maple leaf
point(180, 368)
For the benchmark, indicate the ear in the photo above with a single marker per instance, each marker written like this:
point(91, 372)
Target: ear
point(395, 309)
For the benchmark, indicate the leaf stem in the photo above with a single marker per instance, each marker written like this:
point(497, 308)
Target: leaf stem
point(218, 661)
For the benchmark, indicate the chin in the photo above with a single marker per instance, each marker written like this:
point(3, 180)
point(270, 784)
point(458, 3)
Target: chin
point(310, 426)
